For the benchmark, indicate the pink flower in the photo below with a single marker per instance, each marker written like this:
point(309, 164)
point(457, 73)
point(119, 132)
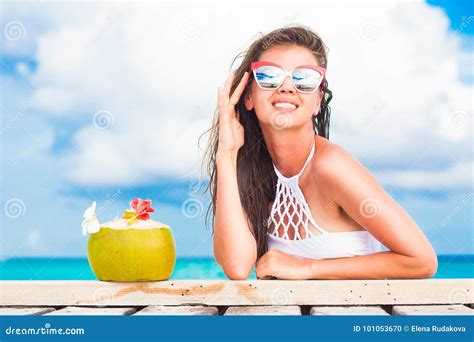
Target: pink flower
point(142, 208)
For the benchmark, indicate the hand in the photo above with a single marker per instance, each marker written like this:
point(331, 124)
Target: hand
point(231, 131)
point(277, 264)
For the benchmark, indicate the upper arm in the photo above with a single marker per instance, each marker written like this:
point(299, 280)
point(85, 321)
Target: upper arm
point(359, 194)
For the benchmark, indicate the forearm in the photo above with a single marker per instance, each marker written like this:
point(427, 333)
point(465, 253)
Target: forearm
point(381, 265)
point(234, 245)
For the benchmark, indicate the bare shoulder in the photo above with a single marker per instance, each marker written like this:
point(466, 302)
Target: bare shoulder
point(333, 163)
point(329, 156)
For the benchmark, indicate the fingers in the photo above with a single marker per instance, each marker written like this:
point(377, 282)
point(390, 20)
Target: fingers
point(239, 90)
point(223, 93)
point(260, 268)
point(228, 84)
point(264, 274)
point(219, 99)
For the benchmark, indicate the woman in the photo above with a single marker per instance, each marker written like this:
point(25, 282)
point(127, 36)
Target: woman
point(286, 199)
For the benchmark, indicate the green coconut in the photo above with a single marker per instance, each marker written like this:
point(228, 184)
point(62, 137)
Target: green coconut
point(139, 252)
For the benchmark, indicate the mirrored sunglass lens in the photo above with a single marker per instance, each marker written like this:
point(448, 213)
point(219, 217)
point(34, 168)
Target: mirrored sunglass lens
point(268, 77)
point(306, 79)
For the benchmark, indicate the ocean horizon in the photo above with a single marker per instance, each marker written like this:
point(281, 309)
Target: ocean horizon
point(74, 268)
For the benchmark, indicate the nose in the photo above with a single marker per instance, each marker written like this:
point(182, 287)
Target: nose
point(287, 86)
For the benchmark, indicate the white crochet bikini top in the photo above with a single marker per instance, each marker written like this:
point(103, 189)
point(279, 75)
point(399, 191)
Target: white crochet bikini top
point(290, 213)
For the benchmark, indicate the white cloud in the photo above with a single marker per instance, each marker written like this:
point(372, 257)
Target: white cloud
point(457, 177)
point(54, 100)
point(393, 67)
point(24, 22)
point(136, 148)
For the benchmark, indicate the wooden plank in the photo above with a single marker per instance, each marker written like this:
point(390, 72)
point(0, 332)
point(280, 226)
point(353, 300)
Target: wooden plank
point(248, 292)
point(271, 310)
point(347, 311)
point(184, 310)
point(24, 311)
point(92, 311)
point(443, 310)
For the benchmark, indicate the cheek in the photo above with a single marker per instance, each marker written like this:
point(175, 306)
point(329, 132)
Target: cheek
point(261, 101)
point(261, 98)
point(311, 102)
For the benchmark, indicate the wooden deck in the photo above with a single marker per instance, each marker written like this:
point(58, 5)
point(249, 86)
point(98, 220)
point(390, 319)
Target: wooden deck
point(252, 297)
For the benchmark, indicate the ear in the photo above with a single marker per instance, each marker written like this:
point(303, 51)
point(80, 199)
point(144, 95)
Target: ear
point(248, 102)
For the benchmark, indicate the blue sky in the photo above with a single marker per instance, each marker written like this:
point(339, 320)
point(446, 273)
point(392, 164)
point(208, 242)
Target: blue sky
point(92, 110)
point(457, 12)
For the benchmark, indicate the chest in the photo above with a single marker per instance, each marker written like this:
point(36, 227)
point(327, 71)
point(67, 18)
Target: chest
point(301, 208)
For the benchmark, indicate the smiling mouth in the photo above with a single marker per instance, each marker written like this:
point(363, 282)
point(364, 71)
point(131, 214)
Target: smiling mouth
point(285, 106)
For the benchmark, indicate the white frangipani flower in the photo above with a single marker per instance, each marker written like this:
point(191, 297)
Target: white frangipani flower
point(90, 223)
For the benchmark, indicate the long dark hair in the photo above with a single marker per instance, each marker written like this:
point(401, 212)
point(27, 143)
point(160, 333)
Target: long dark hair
point(256, 177)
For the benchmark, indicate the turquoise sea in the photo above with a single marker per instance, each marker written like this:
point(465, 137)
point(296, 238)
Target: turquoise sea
point(449, 266)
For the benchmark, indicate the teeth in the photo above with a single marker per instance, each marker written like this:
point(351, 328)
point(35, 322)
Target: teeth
point(284, 105)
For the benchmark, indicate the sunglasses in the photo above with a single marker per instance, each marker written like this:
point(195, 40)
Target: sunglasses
point(270, 76)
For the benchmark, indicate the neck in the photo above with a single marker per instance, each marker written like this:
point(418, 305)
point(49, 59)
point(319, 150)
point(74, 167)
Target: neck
point(289, 148)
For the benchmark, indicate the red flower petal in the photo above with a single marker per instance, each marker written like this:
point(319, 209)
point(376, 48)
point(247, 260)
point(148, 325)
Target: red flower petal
point(133, 203)
point(142, 208)
point(144, 216)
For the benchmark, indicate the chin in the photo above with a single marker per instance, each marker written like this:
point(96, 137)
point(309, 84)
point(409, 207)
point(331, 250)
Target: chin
point(288, 119)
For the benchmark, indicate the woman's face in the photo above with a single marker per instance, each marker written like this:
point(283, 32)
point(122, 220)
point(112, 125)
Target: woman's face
point(265, 102)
